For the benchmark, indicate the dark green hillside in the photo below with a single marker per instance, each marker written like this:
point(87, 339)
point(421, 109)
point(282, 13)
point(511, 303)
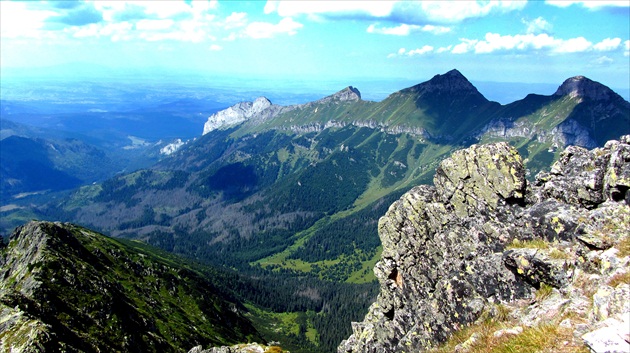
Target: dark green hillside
point(69, 289)
point(27, 167)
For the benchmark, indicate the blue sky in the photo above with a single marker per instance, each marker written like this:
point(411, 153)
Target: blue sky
point(503, 41)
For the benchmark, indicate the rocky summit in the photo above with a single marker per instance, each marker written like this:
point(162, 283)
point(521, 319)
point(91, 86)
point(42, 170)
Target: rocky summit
point(482, 248)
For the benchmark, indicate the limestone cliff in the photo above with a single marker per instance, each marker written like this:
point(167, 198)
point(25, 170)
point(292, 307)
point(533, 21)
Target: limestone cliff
point(481, 239)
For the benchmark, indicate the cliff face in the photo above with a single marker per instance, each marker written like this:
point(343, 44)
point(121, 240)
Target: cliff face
point(453, 252)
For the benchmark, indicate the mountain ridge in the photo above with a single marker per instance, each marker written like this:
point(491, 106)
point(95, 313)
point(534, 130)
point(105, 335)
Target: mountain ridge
point(67, 288)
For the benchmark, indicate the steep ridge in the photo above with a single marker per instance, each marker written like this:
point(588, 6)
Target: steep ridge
point(483, 245)
point(68, 289)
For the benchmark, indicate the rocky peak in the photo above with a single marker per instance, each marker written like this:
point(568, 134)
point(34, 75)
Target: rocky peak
point(348, 94)
point(452, 82)
point(482, 241)
point(582, 87)
point(260, 109)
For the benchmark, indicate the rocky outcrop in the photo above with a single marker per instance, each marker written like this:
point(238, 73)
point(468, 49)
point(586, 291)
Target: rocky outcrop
point(482, 237)
point(240, 348)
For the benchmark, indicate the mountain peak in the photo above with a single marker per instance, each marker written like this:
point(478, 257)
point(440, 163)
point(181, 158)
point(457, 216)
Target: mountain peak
point(451, 82)
point(348, 94)
point(583, 87)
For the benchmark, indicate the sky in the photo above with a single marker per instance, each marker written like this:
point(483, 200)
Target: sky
point(502, 41)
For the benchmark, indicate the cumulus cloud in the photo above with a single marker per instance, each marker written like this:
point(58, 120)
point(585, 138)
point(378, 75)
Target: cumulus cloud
point(405, 29)
point(457, 11)
point(191, 20)
point(538, 25)
point(596, 4)
point(18, 20)
point(603, 60)
point(414, 52)
point(216, 47)
point(494, 42)
point(235, 20)
point(408, 12)
point(258, 30)
point(608, 44)
point(401, 30)
point(330, 9)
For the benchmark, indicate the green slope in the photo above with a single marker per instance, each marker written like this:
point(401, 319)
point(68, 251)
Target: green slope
point(90, 293)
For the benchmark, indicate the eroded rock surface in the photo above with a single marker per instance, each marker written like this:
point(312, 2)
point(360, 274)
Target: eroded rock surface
point(451, 251)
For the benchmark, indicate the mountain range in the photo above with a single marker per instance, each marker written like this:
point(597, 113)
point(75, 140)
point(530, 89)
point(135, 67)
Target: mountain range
point(296, 191)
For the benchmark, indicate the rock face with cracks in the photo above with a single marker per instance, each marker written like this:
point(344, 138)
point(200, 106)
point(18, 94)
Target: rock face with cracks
point(451, 251)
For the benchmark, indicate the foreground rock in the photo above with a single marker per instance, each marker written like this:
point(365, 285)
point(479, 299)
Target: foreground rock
point(482, 237)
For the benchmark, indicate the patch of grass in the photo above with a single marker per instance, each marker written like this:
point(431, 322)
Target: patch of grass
point(620, 278)
point(624, 247)
point(558, 254)
point(528, 244)
point(543, 292)
point(542, 338)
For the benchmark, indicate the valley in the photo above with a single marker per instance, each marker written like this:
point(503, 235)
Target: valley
point(283, 200)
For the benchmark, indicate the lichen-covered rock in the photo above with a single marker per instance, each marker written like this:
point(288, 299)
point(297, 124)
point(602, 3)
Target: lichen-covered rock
point(453, 250)
point(478, 177)
point(239, 348)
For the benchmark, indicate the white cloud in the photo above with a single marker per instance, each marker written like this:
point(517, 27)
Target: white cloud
point(155, 9)
point(494, 42)
point(465, 46)
point(401, 30)
point(573, 45)
point(538, 25)
point(405, 29)
point(235, 20)
point(311, 8)
point(457, 11)
point(424, 50)
point(627, 48)
point(258, 30)
point(414, 52)
point(17, 20)
point(608, 44)
point(589, 4)
point(121, 20)
point(154, 25)
point(401, 11)
point(435, 29)
point(444, 49)
point(602, 60)
point(216, 47)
